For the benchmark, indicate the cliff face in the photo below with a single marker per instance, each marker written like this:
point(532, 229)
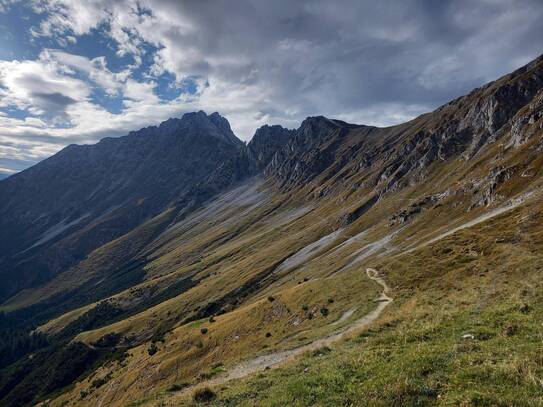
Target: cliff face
point(266, 142)
point(507, 111)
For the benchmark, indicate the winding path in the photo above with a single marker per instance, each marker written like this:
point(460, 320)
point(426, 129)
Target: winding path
point(275, 359)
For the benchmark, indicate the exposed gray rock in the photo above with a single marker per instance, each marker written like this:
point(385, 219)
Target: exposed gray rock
point(266, 142)
point(309, 151)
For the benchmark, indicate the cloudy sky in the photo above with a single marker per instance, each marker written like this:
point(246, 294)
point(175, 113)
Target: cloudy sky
point(77, 71)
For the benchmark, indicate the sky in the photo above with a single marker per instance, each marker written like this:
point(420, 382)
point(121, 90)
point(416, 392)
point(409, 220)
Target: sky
point(78, 71)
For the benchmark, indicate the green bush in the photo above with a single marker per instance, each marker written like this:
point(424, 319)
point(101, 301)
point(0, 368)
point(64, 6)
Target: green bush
point(203, 395)
point(101, 381)
point(152, 349)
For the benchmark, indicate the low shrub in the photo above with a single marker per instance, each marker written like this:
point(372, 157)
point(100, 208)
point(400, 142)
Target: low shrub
point(203, 395)
point(101, 381)
point(152, 349)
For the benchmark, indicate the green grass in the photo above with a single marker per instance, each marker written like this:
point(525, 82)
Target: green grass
point(424, 363)
point(417, 354)
point(474, 282)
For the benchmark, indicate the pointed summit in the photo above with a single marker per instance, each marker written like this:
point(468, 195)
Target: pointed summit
point(213, 125)
point(266, 142)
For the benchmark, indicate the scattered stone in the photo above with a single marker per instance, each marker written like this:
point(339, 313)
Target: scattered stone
point(524, 308)
point(509, 330)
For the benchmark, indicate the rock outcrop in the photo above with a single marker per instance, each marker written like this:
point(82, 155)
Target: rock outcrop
point(266, 142)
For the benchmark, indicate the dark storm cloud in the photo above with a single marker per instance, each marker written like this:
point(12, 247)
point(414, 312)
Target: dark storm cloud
point(54, 102)
point(333, 57)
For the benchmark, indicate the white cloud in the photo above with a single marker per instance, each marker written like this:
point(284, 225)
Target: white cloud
point(95, 69)
point(78, 17)
point(7, 170)
point(271, 62)
point(38, 87)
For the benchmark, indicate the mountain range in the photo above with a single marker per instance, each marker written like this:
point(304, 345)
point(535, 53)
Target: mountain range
point(142, 267)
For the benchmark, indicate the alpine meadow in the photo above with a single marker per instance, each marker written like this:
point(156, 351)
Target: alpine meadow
point(189, 215)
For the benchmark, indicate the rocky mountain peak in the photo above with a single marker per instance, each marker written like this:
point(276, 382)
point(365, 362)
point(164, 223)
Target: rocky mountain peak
point(266, 142)
point(111, 187)
point(317, 125)
point(193, 124)
point(307, 151)
point(213, 125)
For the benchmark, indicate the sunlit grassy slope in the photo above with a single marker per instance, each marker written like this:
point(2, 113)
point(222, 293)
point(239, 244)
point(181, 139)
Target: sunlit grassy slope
point(465, 329)
point(268, 264)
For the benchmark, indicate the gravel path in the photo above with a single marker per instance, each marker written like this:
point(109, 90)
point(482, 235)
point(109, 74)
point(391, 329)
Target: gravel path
point(275, 359)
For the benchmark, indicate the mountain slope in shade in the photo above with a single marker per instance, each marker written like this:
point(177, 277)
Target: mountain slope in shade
point(446, 207)
point(55, 213)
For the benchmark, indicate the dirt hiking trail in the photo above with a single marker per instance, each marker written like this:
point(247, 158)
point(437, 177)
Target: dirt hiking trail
point(275, 359)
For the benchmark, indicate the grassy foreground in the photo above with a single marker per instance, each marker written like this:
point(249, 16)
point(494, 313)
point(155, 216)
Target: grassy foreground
point(466, 328)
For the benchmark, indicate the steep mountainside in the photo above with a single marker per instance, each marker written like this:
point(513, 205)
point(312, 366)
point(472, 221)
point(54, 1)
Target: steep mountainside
point(55, 213)
point(265, 251)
